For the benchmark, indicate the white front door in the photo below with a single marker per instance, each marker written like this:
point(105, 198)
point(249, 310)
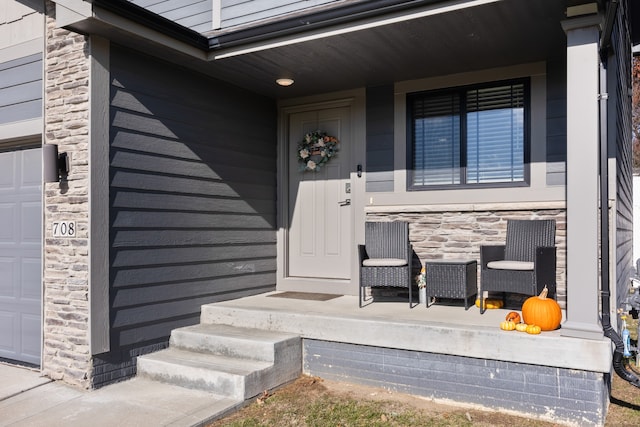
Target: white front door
point(20, 255)
point(320, 211)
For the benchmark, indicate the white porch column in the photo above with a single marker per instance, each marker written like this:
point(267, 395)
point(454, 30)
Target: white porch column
point(583, 36)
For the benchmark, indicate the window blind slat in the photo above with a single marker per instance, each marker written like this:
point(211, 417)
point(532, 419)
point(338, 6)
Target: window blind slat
point(494, 136)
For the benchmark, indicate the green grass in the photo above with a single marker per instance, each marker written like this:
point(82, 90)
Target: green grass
point(335, 411)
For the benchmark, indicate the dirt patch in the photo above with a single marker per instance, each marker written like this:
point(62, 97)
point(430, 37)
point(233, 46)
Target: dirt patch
point(311, 401)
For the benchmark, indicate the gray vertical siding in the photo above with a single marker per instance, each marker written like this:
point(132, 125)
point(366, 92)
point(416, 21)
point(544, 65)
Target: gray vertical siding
point(620, 111)
point(192, 201)
point(21, 89)
point(380, 131)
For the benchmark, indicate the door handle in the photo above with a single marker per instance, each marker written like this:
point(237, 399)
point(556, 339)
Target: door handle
point(345, 202)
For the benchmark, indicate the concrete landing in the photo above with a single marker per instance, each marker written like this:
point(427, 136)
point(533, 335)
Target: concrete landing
point(137, 402)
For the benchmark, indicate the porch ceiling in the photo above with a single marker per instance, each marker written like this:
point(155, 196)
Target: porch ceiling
point(491, 35)
point(481, 37)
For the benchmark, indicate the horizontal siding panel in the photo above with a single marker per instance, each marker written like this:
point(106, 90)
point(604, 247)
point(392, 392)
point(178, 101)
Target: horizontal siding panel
point(200, 23)
point(172, 166)
point(177, 166)
point(141, 315)
point(183, 273)
point(26, 92)
point(18, 62)
point(175, 9)
point(201, 9)
point(381, 186)
point(21, 89)
point(132, 239)
point(136, 336)
point(380, 146)
point(178, 220)
point(20, 23)
point(175, 202)
point(161, 293)
point(159, 256)
point(20, 112)
point(184, 12)
point(138, 182)
point(380, 177)
point(241, 12)
point(27, 72)
point(171, 147)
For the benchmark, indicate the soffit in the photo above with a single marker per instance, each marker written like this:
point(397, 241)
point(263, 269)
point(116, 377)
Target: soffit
point(491, 35)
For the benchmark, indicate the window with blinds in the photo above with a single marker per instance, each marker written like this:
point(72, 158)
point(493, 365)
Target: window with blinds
point(471, 135)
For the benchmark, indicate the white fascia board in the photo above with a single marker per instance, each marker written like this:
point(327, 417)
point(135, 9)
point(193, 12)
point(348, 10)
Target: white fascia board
point(429, 10)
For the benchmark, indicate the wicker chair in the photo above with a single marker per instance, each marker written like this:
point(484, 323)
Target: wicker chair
point(525, 264)
point(385, 258)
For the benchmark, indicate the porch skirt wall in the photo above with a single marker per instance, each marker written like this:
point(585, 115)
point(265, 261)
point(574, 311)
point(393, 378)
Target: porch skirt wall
point(554, 394)
point(453, 232)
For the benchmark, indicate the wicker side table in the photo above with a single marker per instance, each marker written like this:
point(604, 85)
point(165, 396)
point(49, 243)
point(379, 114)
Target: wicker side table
point(454, 279)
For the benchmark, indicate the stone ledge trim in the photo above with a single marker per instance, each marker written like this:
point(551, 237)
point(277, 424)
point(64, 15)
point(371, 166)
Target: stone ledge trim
point(473, 207)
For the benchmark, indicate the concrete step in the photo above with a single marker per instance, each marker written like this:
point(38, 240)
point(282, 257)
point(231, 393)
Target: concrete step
point(227, 376)
point(246, 343)
point(238, 363)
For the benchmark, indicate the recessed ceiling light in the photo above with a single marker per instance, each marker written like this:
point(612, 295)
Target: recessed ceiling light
point(284, 82)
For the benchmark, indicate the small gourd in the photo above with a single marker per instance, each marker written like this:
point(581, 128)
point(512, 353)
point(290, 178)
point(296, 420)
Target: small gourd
point(490, 303)
point(542, 311)
point(513, 316)
point(521, 327)
point(533, 329)
point(507, 325)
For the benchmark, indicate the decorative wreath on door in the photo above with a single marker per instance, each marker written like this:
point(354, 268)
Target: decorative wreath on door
point(316, 149)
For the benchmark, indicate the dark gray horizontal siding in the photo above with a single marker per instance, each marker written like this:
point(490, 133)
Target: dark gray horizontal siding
point(620, 111)
point(556, 123)
point(380, 138)
point(21, 89)
point(192, 198)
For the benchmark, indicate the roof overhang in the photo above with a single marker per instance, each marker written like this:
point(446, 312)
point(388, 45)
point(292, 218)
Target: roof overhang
point(363, 43)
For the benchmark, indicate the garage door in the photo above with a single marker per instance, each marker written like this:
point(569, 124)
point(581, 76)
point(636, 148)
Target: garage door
point(20, 253)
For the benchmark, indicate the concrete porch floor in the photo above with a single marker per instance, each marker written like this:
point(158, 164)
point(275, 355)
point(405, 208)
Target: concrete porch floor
point(441, 329)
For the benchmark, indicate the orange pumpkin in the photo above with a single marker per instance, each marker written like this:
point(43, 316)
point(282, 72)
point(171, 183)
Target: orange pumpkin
point(513, 316)
point(542, 311)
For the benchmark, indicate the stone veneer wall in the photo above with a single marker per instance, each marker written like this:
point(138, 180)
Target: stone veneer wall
point(66, 354)
point(452, 232)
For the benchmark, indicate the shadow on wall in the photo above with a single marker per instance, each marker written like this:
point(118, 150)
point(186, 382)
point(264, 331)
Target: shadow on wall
point(192, 201)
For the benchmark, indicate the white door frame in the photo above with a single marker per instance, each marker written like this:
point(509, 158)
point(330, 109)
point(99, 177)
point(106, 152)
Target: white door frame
point(356, 101)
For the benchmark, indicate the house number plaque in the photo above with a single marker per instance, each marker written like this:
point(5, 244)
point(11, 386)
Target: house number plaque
point(64, 229)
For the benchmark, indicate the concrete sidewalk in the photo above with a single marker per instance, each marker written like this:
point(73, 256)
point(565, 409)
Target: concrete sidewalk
point(28, 399)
